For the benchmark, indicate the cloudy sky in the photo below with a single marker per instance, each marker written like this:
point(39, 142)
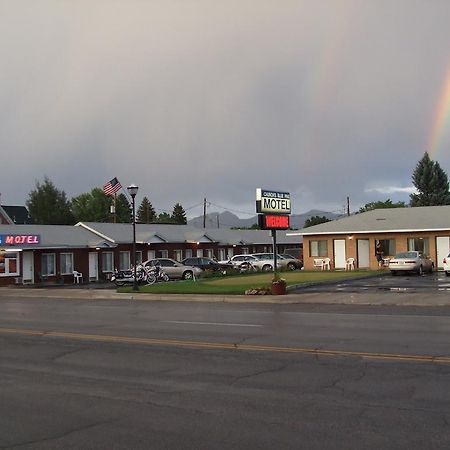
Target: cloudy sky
point(203, 98)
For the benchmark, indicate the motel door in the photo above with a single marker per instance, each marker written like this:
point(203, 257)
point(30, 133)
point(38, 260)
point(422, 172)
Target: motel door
point(28, 268)
point(339, 254)
point(363, 254)
point(442, 248)
point(93, 266)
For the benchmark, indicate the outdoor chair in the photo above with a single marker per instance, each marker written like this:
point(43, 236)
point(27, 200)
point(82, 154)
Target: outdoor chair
point(350, 264)
point(326, 264)
point(318, 263)
point(77, 277)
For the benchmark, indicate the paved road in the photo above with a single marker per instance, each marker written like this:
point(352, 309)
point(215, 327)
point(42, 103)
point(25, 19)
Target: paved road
point(105, 374)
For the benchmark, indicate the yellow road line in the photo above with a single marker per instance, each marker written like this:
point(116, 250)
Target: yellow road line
point(225, 346)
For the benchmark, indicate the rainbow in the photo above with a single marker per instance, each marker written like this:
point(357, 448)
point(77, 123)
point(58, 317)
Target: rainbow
point(441, 119)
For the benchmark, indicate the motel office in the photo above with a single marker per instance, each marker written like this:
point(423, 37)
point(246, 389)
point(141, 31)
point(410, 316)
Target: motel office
point(34, 254)
point(425, 229)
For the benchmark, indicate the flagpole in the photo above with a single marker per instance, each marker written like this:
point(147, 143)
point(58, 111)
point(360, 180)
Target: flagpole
point(114, 214)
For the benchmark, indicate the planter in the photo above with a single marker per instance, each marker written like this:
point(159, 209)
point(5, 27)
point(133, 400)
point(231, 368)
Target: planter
point(278, 288)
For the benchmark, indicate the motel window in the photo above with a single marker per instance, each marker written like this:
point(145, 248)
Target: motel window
point(188, 253)
point(163, 254)
point(199, 252)
point(124, 260)
point(178, 255)
point(387, 247)
point(222, 254)
point(48, 264)
point(66, 262)
point(107, 262)
point(209, 253)
point(151, 254)
point(419, 245)
point(9, 264)
point(318, 248)
point(138, 257)
point(245, 250)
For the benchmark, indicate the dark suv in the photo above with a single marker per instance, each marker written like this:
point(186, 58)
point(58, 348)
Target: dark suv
point(205, 263)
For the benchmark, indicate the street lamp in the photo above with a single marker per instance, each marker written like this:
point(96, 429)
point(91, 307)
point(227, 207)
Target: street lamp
point(132, 190)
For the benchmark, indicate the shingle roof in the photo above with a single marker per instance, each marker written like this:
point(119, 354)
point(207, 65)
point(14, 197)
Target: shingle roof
point(55, 236)
point(425, 218)
point(122, 232)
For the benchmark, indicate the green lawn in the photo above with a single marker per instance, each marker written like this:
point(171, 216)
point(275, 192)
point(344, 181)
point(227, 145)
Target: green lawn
point(235, 285)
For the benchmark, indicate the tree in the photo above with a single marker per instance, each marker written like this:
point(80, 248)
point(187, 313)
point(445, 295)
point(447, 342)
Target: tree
point(164, 218)
point(92, 206)
point(179, 215)
point(146, 213)
point(381, 205)
point(315, 220)
point(431, 183)
point(123, 209)
point(48, 205)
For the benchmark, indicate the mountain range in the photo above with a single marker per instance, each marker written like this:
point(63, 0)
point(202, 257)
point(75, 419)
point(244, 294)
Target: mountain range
point(227, 219)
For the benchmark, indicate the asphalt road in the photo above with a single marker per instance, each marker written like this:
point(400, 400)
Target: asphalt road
point(108, 374)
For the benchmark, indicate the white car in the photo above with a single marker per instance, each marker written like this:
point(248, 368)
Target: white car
point(411, 261)
point(242, 261)
point(447, 265)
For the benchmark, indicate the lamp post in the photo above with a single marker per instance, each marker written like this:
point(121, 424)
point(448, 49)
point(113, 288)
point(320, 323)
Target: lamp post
point(132, 190)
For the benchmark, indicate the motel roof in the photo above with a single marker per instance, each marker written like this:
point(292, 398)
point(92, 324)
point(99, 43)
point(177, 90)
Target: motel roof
point(389, 220)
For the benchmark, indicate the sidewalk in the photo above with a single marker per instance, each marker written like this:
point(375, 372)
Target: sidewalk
point(428, 298)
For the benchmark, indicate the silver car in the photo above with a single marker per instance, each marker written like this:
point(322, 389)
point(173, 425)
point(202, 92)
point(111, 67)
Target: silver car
point(174, 269)
point(256, 263)
point(411, 261)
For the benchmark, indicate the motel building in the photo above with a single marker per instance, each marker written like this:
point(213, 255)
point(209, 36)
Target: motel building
point(425, 229)
point(37, 254)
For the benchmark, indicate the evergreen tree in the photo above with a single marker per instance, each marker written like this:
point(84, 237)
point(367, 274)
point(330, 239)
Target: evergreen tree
point(123, 210)
point(48, 205)
point(381, 205)
point(146, 213)
point(431, 183)
point(179, 215)
point(164, 218)
point(92, 206)
point(315, 220)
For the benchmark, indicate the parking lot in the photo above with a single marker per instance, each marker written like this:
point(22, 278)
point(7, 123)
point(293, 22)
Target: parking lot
point(436, 281)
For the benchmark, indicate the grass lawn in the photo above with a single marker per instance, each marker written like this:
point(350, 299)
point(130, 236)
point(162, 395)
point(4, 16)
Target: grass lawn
point(235, 285)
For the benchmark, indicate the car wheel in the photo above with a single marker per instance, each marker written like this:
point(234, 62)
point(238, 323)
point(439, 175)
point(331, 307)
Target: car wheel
point(267, 268)
point(188, 275)
point(420, 271)
point(291, 266)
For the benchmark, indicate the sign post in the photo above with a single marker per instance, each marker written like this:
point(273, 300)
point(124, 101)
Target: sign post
point(273, 210)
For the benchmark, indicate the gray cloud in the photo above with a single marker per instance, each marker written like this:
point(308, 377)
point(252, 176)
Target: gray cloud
point(199, 99)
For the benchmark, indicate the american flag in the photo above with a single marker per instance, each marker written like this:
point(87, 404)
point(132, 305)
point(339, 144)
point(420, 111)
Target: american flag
point(111, 187)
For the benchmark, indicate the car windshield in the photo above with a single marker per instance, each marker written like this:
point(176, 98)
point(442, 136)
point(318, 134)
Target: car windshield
point(406, 255)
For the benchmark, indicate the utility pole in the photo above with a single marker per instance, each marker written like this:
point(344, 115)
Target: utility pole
point(348, 206)
point(204, 213)
point(218, 225)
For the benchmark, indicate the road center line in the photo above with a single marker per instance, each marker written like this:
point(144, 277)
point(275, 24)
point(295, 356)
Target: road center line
point(222, 324)
point(227, 346)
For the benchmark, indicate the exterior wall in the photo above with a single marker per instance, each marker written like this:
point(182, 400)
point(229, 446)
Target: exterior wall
point(401, 245)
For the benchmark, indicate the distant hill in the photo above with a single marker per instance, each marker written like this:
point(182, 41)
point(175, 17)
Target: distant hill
point(227, 219)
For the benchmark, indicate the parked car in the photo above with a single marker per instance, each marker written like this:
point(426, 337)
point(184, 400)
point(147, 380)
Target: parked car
point(205, 263)
point(257, 262)
point(284, 261)
point(174, 269)
point(447, 265)
point(292, 262)
point(411, 261)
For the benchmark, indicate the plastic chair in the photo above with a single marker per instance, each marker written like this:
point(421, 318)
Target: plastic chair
point(318, 263)
point(77, 277)
point(326, 264)
point(350, 264)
